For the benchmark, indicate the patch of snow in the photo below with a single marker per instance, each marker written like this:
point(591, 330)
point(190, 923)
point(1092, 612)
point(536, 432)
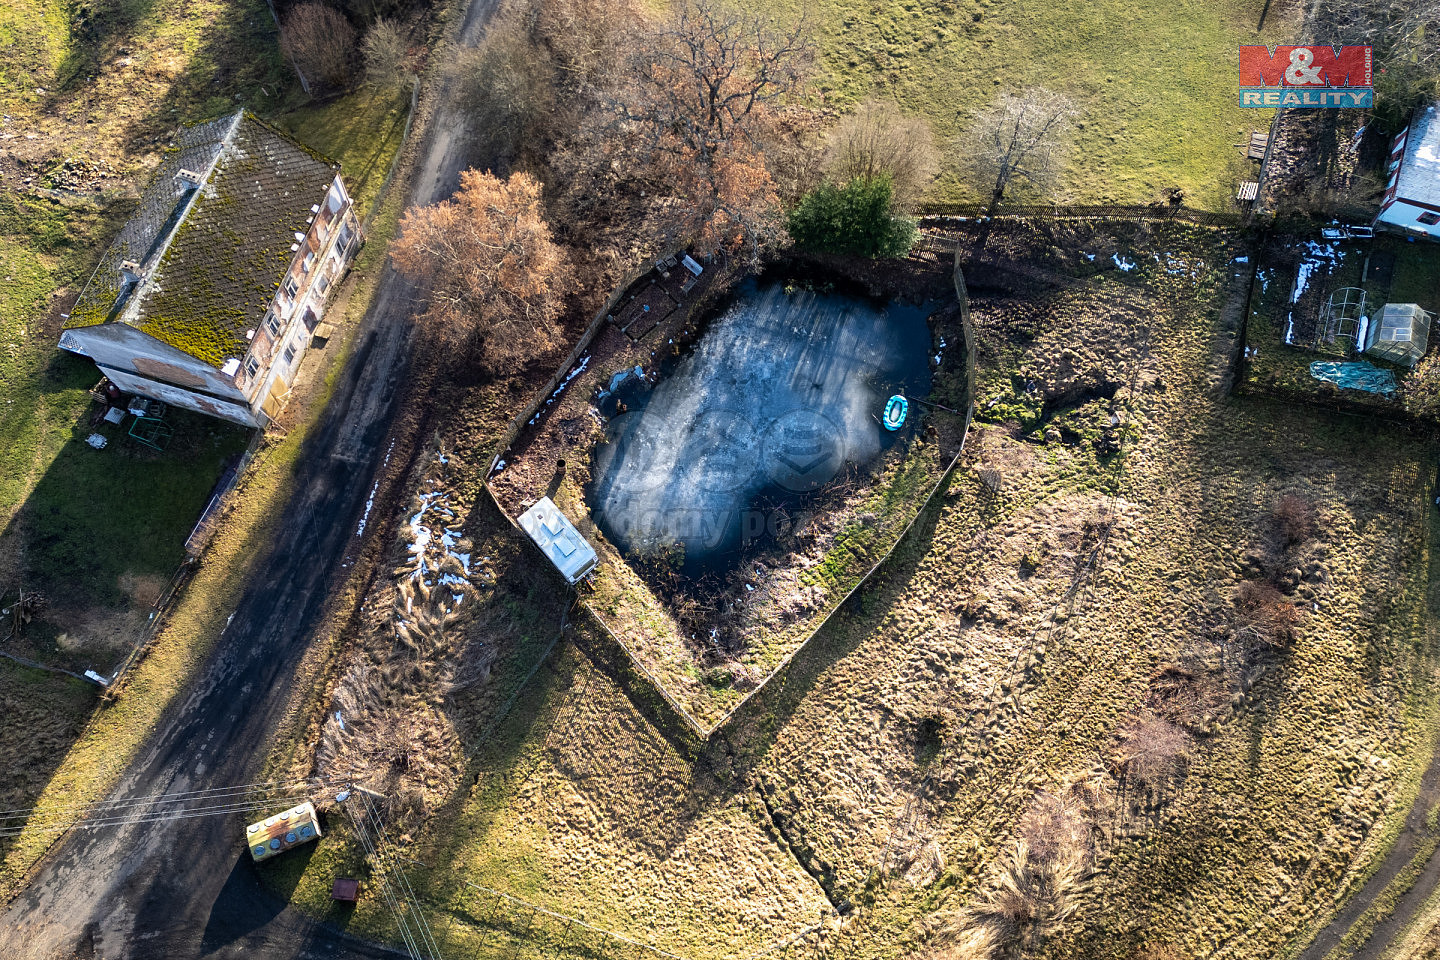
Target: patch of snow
point(1242, 259)
point(578, 369)
point(1122, 263)
point(360, 530)
point(1317, 255)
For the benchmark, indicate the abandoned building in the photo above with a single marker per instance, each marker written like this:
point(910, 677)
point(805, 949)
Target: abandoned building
point(210, 294)
point(1400, 334)
point(1412, 188)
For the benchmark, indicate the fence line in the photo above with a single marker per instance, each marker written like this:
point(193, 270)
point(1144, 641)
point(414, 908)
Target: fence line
point(34, 665)
point(699, 729)
point(968, 339)
point(1056, 211)
point(597, 323)
point(395, 160)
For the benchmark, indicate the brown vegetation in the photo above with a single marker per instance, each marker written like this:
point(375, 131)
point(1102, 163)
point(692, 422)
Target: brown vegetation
point(386, 53)
point(1263, 615)
point(687, 122)
point(877, 140)
point(1294, 520)
point(495, 276)
point(321, 43)
point(1153, 750)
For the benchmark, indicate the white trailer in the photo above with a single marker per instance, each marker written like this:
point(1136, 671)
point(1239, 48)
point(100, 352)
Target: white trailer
point(557, 537)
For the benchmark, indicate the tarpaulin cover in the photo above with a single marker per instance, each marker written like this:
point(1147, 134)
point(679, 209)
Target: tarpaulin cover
point(1355, 376)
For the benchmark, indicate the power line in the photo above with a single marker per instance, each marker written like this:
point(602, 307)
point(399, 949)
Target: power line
point(157, 809)
point(398, 895)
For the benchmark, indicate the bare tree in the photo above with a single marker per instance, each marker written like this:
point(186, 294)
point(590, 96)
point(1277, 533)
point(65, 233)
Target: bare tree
point(493, 272)
point(386, 50)
point(508, 90)
point(321, 42)
point(689, 124)
point(1406, 54)
point(877, 140)
point(1019, 140)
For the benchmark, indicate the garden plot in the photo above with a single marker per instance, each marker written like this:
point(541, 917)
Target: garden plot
point(1285, 334)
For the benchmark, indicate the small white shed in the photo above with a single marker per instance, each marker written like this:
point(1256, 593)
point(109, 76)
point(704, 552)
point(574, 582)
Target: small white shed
point(1412, 188)
point(557, 537)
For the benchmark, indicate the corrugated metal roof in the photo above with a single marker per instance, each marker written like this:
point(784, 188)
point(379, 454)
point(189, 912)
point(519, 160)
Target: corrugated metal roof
point(1420, 169)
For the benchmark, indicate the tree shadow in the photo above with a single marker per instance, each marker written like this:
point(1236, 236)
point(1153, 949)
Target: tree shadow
point(245, 905)
point(226, 60)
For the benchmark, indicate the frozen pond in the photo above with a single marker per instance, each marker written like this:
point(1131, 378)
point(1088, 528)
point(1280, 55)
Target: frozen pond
point(781, 395)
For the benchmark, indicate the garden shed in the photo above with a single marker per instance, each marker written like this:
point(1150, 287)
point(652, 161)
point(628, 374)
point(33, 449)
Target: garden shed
point(1400, 334)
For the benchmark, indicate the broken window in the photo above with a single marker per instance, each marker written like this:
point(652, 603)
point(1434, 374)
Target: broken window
point(289, 355)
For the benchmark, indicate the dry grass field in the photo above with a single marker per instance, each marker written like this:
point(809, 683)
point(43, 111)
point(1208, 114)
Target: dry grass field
point(1100, 704)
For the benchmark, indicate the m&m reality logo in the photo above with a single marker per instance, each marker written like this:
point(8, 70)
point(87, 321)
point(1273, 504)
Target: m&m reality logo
point(1312, 75)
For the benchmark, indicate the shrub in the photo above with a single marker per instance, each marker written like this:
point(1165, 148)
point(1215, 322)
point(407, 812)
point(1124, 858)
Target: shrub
point(1264, 614)
point(385, 53)
point(321, 42)
point(1294, 520)
point(852, 219)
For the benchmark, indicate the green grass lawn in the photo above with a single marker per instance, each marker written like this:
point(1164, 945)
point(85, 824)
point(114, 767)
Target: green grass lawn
point(34, 35)
point(1156, 81)
point(92, 530)
point(361, 131)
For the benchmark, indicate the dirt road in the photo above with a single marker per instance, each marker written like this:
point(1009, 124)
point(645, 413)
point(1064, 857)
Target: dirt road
point(186, 888)
point(1407, 905)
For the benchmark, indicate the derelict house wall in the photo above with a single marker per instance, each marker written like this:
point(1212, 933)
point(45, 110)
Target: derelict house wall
point(138, 363)
point(322, 239)
point(122, 347)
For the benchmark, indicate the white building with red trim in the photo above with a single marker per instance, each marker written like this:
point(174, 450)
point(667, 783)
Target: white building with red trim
point(1412, 189)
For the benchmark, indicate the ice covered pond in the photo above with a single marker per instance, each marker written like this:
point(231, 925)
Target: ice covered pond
point(782, 394)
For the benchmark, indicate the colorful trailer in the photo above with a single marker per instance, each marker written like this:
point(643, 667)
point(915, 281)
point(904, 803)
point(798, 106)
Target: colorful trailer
point(274, 835)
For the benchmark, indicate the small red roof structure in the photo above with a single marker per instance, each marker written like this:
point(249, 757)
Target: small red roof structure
point(345, 890)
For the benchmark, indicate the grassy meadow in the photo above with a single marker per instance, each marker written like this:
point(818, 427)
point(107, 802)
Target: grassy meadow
point(1155, 82)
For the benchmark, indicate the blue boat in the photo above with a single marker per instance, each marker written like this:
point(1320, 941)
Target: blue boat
point(896, 409)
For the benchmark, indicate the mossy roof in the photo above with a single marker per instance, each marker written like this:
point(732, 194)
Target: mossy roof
point(227, 250)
